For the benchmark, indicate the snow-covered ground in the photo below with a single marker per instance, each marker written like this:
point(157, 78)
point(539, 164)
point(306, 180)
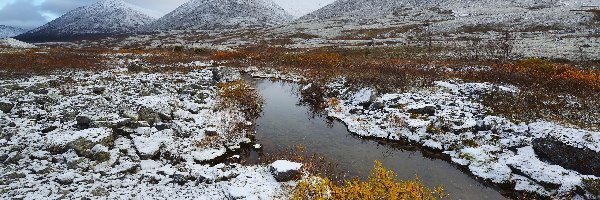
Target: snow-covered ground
point(12, 43)
point(119, 134)
point(449, 118)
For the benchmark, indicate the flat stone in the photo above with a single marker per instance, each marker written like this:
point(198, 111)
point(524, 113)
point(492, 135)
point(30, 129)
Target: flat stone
point(584, 161)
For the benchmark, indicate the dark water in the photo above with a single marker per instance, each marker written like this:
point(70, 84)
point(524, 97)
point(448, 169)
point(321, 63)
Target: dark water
point(284, 122)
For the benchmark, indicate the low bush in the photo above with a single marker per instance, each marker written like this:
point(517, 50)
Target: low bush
point(382, 184)
point(241, 95)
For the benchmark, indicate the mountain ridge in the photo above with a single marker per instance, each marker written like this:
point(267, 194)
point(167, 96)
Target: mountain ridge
point(105, 17)
point(222, 14)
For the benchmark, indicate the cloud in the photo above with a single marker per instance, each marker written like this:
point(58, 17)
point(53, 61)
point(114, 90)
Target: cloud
point(62, 6)
point(22, 13)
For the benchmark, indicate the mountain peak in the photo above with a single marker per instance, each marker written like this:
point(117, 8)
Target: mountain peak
point(215, 14)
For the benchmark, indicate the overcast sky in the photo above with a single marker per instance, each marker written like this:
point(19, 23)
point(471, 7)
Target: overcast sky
point(33, 13)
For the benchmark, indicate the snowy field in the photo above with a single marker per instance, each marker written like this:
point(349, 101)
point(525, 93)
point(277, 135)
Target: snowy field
point(118, 134)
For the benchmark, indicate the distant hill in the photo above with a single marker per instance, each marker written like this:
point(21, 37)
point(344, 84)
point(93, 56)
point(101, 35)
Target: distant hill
point(493, 13)
point(106, 17)
point(9, 31)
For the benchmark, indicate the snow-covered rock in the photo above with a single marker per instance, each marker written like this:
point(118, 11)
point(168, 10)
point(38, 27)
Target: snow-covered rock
point(222, 14)
point(450, 118)
point(105, 17)
point(284, 170)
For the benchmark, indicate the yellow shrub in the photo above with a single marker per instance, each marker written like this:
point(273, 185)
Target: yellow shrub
point(537, 64)
point(382, 184)
point(241, 95)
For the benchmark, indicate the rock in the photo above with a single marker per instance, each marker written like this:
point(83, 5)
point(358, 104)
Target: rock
point(100, 153)
point(584, 161)
point(13, 158)
point(285, 171)
point(376, 106)
point(423, 110)
point(66, 178)
point(80, 142)
point(150, 146)
point(149, 115)
point(211, 132)
point(83, 122)
point(6, 107)
point(182, 178)
point(161, 126)
point(48, 129)
point(98, 90)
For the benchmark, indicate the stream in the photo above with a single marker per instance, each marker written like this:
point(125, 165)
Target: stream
point(284, 123)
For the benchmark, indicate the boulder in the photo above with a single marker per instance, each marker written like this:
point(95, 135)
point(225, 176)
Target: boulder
point(422, 110)
point(6, 107)
point(211, 132)
point(83, 122)
point(66, 178)
point(285, 171)
point(98, 90)
point(100, 153)
point(150, 116)
point(584, 161)
point(182, 178)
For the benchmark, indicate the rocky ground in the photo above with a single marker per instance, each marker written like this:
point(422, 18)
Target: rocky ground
point(542, 157)
point(125, 133)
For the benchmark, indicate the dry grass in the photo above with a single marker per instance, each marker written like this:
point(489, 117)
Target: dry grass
point(45, 61)
point(553, 91)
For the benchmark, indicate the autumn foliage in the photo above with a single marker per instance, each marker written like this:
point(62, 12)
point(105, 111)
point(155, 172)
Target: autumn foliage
point(382, 184)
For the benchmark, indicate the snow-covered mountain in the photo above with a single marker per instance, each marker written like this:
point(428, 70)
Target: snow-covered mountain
point(510, 13)
point(221, 14)
point(105, 17)
point(9, 31)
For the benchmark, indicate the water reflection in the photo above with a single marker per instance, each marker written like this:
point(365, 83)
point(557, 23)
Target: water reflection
point(286, 122)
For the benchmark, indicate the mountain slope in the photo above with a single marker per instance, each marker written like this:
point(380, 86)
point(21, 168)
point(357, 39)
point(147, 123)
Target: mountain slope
point(222, 14)
point(9, 31)
point(509, 13)
point(106, 17)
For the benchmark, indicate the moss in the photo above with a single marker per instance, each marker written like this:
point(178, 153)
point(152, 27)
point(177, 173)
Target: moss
point(592, 186)
point(470, 143)
point(100, 191)
point(102, 156)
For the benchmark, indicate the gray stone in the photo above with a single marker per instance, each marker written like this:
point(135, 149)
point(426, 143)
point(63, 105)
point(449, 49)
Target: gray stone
point(6, 107)
point(182, 179)
point(149, 115)
point(376, 106)
point(66, 178)
point(584, 161)
point(425, 110)
point(83, 122)
point(98, 90)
